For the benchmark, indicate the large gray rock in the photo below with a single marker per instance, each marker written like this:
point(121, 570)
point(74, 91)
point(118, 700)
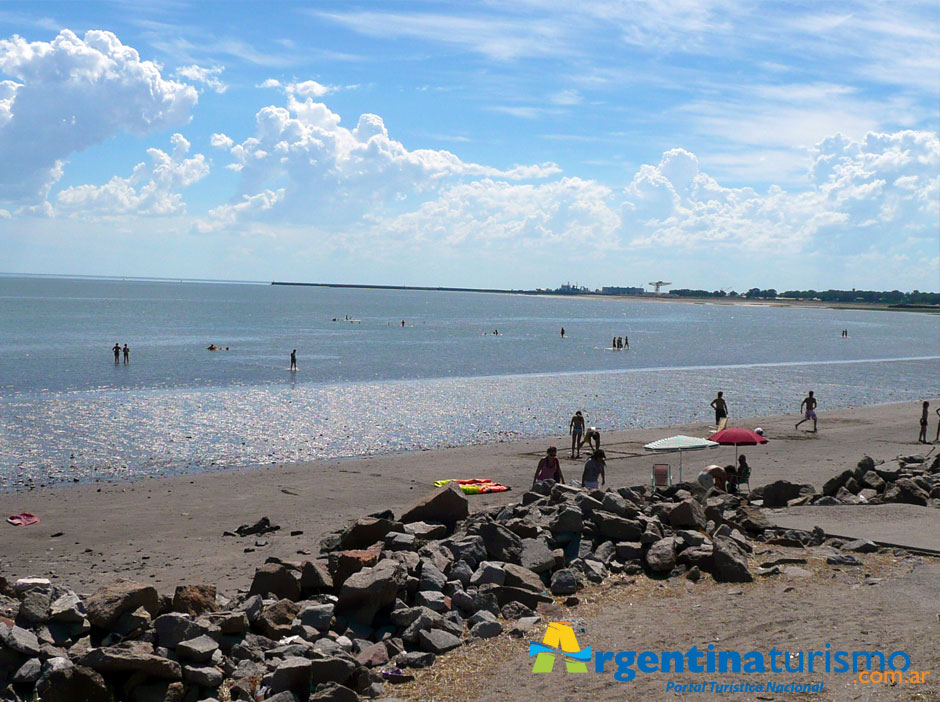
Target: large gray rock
point(501, 544)
point(34, 607)
point(366, 592)
point(316, 615)
point(293, 675)
point(906, 491)
point(431, 577)
point(617, 528)
point(336, 669)
point(486, 630)
point(780, 492)
point(71, 683)
point(487, 573)
point(199, 649)
point(174, 628)
point(629, 550)
point(687, 514)
point(471, 549)
point(874, 481)
point(518, 576)
point(447, 505)
point(315, 577)
point(564, 582)
point(19, 639)
point(203, 675)
point(131, 656)
point(277, 580)
point(108, 603)
point(334, 692)
point(28, 672)
point(364, 532)
point(661, 556)
point(438, 641)
point(536, 555)
point(729, 564)
point(68, 608)
point(425, 531)
point(568, 518)
point(831, 486)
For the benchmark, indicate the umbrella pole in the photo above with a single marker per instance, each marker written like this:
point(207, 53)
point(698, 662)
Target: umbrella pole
point(680, 465)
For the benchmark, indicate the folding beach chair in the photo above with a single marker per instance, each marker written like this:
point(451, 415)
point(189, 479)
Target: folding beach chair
point(661, 476)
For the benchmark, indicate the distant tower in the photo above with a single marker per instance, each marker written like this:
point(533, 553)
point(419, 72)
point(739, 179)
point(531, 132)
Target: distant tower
point(659, 284)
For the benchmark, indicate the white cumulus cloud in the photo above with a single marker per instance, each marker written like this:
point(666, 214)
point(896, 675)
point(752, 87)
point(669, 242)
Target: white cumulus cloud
point(303, 165)
point(151, 189)
point(208, 77)
point(69, 94)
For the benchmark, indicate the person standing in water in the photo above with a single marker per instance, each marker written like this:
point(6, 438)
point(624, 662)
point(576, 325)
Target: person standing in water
point(562, 332)
point(127, 354)
point(403, 324)
point(721, 409)
point(293, 360)
point(626, 342)
point(576, 429)
point(922, 437)
point(613, 343)
point(809, 406)
point(117, 352)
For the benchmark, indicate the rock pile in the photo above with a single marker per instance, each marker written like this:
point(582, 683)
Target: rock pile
point(908, 479)
point(386, 595)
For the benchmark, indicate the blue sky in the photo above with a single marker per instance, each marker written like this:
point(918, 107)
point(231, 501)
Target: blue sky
point(505, 144)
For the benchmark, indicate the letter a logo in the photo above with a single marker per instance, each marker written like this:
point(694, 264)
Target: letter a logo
point(559, 639)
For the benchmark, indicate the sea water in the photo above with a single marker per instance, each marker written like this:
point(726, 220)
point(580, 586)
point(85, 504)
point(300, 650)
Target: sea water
point(368, 385)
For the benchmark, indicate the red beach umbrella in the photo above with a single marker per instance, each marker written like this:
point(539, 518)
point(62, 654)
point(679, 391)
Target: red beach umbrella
point(737, 436)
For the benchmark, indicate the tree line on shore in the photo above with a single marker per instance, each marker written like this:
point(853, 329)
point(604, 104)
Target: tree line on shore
point(892, 297)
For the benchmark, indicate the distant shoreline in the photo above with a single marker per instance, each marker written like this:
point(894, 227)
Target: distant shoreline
point(879, 306)
point(640, 298)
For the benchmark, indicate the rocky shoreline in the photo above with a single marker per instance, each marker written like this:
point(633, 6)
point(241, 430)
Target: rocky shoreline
point(387, 595)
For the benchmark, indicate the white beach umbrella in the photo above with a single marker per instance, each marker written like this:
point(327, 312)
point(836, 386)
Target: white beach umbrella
point(679, 443)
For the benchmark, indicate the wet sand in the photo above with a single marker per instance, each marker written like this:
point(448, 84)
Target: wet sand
point(170, 530)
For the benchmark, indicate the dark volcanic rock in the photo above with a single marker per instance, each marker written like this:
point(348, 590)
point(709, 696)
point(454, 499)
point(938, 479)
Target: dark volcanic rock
point(371, 589)
point(110, 602)
point(447, 505)
point(131, 656)
point(276, 579)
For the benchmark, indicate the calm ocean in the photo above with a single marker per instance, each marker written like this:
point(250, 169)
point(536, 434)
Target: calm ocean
point(371, 386)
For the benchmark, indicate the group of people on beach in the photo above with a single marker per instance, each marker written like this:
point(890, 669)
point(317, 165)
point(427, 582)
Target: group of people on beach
point(925, 413)
point(593, 476)
point(620, 342)
point(118, 351)
point(726, 479)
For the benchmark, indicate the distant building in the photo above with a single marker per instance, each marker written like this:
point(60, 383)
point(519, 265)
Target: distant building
point(616, 290)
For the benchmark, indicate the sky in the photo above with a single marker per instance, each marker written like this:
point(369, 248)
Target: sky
point(508, 143)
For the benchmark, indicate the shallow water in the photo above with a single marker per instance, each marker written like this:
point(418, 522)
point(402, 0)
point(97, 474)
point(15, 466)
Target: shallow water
point(67, 412)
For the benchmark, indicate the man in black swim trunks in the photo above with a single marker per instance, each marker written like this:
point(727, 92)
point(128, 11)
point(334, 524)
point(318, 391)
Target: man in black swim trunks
point(293, 360)
point(127, 354)
point(117, 352)
point(721, 409)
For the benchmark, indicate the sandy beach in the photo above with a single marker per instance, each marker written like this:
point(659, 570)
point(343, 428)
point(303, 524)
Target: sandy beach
point(170, 530)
